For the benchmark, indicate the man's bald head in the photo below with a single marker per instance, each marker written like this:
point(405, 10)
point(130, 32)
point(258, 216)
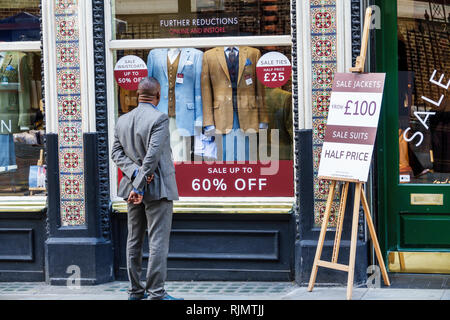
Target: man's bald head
point(149, 87)
point(149, 91)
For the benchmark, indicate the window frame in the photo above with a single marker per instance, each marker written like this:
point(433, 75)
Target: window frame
point(112, 45)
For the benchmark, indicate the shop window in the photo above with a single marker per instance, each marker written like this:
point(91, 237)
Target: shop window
point(22, 167)
point(424, 100)
point(229, 105)
point(150, 19)
point(231, 136)
point(22, 171)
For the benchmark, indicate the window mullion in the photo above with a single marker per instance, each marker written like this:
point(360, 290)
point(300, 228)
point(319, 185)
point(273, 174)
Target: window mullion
point(138, 44)
point(28, 46)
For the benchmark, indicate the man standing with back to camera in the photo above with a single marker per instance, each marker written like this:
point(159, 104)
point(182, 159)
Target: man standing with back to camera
point(142, 151)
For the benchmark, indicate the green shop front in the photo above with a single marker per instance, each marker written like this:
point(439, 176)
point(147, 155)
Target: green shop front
point(413, 161)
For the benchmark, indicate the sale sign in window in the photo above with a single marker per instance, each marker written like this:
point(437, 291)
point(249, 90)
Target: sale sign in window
point(352, 126)
point(273, 69)
point(274, 179)
point(129, 71)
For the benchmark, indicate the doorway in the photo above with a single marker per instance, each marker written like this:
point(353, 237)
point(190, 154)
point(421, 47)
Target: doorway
point(414, 138)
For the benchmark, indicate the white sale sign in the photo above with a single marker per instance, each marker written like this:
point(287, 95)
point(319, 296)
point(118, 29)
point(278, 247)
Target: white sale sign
point(351, 126)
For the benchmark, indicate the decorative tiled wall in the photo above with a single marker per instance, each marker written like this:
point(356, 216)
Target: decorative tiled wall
point(70, 135)
point(323, 66)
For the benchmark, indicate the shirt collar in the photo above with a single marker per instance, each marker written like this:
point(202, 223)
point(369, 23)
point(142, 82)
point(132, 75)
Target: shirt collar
point(148, 103)
point(229, 48)
point(174, 50)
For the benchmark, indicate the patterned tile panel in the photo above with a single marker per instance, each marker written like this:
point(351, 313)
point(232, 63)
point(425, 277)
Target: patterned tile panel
point(66, 27)
point(322, 75)
point(324, 48)
point(321, 189)
point(320, 103)
point(315, 3)
point(69, 107)
point(319, 212)
point(323, 19)
point(67, 55)
point(70, 134)
point(324, 67)
point(319, 125)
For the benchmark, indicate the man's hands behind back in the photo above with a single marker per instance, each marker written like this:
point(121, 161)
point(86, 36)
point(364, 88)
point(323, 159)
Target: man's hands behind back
point(136, 198)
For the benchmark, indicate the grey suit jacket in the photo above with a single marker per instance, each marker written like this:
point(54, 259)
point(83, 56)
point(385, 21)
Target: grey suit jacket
point(141, 141)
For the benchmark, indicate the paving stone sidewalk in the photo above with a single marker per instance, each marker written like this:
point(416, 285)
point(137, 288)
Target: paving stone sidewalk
point(217, 291)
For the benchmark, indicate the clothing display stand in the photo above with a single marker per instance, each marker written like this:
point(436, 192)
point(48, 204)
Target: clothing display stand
point(359, 197)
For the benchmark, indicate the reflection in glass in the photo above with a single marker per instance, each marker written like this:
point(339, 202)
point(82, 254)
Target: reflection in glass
point(424, 80)
point(19, 20)
point(22, 171)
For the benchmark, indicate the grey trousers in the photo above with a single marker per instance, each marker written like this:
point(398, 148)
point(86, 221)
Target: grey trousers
point(156, 217)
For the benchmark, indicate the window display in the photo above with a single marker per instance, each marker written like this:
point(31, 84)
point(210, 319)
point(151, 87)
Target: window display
point(232, 107)
point(231, 119)
point(179, 69)
point(151, 19)
point(230, 134)
point(21, 124)
point(423, 101)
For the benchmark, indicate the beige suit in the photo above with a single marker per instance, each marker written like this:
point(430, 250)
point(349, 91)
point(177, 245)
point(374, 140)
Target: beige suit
point(217, 91)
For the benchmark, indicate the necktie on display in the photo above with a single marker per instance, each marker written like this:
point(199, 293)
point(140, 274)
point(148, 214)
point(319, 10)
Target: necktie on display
point(232, 56)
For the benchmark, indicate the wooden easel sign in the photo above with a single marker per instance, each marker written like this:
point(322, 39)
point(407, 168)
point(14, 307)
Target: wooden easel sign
point(351, 126)
point(346, 156)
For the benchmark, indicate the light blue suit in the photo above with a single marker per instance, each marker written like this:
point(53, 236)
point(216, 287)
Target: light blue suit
point(188, 96)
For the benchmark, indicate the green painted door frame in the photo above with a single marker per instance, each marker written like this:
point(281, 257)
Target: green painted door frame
point(401, 225)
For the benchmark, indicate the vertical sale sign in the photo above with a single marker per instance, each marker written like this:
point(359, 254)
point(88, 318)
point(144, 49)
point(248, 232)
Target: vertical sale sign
point(351, 126)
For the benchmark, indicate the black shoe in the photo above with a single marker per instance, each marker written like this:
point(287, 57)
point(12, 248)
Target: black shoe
point(137, 296)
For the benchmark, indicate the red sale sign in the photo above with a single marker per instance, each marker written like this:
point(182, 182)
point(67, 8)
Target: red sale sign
point(274, 179)
point(229, 179)
point(129, 71)
point(273, 69)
